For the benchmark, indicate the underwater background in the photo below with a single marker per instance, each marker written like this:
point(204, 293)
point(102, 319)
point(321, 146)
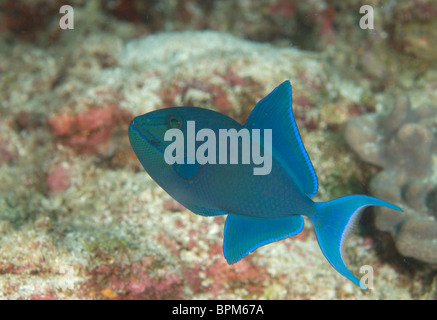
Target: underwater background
point(81, 219)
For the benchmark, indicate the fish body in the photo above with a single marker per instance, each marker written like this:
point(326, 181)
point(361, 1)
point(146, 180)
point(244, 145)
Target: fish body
point(260, 208)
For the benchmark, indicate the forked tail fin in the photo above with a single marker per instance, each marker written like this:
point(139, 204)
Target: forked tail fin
point(334, 220)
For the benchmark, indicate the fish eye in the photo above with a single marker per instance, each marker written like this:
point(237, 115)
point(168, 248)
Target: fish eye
point(174, 122)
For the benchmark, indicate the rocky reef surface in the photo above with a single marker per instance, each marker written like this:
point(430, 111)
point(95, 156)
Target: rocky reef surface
point(79, 218)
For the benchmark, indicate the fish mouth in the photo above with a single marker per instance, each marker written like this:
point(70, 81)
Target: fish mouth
point(146, 135)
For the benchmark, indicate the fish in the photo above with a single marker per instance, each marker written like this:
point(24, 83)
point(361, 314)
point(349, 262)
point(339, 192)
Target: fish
point(260, 208)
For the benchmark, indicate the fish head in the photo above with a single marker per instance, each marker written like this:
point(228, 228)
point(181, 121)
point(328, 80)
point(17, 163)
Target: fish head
point(150, 128)
point(147, 132)
point(147, 135)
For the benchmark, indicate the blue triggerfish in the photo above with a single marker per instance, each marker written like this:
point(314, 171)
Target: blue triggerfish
point(260, 208)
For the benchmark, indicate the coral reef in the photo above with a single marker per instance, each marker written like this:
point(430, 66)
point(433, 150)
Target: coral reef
point(306, 24)
point(403, 144)
point(79, 220)
point(117, 235)
point(415, 28)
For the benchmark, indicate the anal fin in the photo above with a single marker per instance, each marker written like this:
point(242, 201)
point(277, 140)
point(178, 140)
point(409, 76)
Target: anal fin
point(245, 234)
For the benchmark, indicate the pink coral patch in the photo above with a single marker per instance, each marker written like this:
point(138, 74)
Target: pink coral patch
point(84, 132)
point(58, 179)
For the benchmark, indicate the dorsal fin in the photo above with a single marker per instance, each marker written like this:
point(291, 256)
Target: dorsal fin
point(275, 112)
